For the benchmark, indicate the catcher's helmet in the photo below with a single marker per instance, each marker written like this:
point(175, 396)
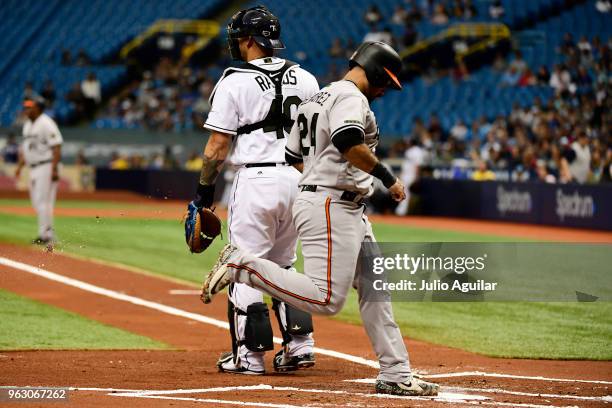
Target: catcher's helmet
point(257, 22)
point(380, 62)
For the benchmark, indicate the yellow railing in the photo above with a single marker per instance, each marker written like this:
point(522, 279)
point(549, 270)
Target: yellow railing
point(492, 31)
point(204, 29)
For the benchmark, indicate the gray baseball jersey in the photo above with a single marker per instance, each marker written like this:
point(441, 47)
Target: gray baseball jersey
point(337, 107)
point(331, 229)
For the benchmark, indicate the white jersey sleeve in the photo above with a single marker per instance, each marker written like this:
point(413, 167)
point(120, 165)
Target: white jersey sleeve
point(223, 115)
point(294, 145)
point(52, 133)
point(347, 112)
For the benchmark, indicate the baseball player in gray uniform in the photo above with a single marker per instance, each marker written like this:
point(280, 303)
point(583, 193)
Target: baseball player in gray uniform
point(41, 152)
point(333, 143)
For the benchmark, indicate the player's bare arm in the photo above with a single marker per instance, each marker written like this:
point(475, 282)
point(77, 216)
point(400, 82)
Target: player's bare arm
point(362, 157)
point(57, 156)
point(215, 152)
point(20, 164)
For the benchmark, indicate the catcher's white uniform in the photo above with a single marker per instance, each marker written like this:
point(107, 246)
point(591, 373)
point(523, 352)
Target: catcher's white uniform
point(264, 187)
point(39, 137)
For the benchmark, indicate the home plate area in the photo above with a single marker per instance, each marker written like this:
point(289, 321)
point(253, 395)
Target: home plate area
point(358, 393)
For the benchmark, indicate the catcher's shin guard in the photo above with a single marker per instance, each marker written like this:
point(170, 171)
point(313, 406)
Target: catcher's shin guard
point(231, 318)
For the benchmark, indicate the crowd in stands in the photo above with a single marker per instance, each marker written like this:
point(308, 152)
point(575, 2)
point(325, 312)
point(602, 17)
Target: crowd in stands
point(565, 139)
point(169, 98)
point(166, 160)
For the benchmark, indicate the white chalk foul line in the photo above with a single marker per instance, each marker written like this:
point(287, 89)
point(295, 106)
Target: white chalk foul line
point(494, 375)
point(161, 307)
point(442, 397)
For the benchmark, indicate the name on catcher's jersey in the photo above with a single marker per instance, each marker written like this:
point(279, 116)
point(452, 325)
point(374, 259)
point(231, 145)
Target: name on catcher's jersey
point(39, 136)
point(337, 107)
point(244, 96)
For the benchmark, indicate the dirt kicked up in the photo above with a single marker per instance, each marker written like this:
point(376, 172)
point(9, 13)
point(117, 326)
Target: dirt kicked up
point(187, 376)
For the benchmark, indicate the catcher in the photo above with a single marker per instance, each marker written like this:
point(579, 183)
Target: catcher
point(253, 109)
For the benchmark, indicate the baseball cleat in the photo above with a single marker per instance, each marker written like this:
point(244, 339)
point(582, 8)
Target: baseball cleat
point(219, 277)
point(226, 364)
point(283, 364)
point(41, 241)
point(413, 388)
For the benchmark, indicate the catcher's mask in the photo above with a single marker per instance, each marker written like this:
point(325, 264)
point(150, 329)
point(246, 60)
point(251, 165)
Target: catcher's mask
point(256, 22)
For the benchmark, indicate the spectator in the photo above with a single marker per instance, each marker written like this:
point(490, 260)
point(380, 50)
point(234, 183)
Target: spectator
point(439, 17)
point(410, 35)
point(118, 162)
point(10, 151)
point(194, 163)
point(543, 76)
point(414, 158)
point(48, 92)
point(560, 80)
point(510, 77)
point(400, 15)
point(82, 59)
point(603, 6)
point(459, 131)
point(496, 10)
point(91, 88)
point(518, 63)
point(336, 50)
point(567, 44)
point(482, 172)
point(580, 166)
point(372, 16)
point(384, 36)
point(527, 79)
point(81, 158)
point(76, 98)
point(28, 91)
point(499, 63)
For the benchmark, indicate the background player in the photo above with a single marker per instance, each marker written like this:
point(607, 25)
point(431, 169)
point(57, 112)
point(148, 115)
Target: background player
point(41, 151)
point(253, 106)
point(333, 143)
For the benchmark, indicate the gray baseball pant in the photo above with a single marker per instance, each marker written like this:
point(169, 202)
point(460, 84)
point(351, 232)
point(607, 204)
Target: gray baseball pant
point(332, 231)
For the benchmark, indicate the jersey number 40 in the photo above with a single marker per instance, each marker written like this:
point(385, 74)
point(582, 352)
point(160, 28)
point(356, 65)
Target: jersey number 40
point(288, 123)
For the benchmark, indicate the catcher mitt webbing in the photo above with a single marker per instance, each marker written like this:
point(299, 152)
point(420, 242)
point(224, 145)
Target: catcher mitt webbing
point(275, 118)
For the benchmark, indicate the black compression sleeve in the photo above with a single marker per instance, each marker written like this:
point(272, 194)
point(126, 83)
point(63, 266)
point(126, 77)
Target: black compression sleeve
point(205, 196)
point(292, 160)
point(380, 172)
point(348, 138)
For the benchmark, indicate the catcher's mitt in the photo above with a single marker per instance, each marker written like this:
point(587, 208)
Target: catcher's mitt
point(202, 226)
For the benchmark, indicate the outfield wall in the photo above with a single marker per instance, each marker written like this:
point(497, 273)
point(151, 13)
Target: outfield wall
point(567, 205)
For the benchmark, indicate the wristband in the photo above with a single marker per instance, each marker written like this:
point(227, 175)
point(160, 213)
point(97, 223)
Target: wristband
point(380, 172)
point(204, 196)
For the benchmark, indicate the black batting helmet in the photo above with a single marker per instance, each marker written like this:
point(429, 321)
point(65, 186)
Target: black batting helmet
point(380, 62)
point(257, 22)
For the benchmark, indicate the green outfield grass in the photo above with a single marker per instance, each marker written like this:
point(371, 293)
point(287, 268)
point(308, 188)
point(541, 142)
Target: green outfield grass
point(19, 202)
point(27, 324)
point(528, 330)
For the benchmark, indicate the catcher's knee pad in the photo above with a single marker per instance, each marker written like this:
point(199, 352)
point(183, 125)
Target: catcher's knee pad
point(297, 322)
point(258, 330)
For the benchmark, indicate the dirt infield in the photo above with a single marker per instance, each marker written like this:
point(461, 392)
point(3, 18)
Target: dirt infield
point(172, 313)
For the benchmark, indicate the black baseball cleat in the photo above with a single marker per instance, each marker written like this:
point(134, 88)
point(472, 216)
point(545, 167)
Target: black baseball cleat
point(226, 364)
point(283, 364)
point(412, 388)
point(40, 241)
